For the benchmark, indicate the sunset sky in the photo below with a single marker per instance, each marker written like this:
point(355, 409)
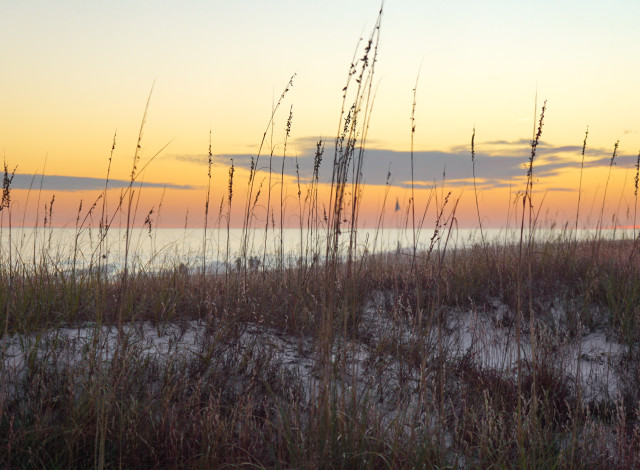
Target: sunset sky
point(74, 73)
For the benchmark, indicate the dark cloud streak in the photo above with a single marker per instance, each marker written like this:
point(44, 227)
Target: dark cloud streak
point(497, 167)
point(80, 183)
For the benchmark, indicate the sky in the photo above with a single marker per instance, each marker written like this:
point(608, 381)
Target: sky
point(77, 73)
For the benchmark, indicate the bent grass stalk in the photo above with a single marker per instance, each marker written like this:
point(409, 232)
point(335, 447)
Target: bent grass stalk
point(614, 154)
point(246, 224)
point(136, 158)
point(269, 188)
point(129, 191)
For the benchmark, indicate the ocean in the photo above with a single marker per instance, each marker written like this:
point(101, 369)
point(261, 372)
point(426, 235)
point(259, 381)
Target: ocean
point(68, 249)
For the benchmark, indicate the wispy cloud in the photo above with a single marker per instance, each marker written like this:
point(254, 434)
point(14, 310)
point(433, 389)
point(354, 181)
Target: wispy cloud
point(80, 183)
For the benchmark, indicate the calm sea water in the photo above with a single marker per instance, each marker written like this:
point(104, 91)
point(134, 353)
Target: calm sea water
point(68, 249)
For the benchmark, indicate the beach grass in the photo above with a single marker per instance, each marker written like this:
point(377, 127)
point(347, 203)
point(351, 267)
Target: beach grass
point(495, 355)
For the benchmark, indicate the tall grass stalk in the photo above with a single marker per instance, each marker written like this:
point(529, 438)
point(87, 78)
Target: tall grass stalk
point(79, 229)
point(348, 159)
point(347, 136)
point(246, 224)
point(48, 222)
point(300, 215)
point(635, 199)
point(380, 224)
point(24, 212)
point(612, 162)
point(5, 208)
point(269, 188)
point(413, 195)
point(37, 218)
point(526, 203)
point(475, 192)
point(6, 296)
point(584, 147)
point(287, 134)
point(132, 179)
point(370, 93)
point(615, 221)
point(313, 214)
point(206, 208)
point(104, 225)
point(229, 201)
point(131, 209)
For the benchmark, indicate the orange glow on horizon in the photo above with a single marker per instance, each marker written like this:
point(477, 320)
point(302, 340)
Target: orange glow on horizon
point(555, 200)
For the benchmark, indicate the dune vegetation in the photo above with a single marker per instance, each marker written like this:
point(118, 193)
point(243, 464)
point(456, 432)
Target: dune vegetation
point(511, 354)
